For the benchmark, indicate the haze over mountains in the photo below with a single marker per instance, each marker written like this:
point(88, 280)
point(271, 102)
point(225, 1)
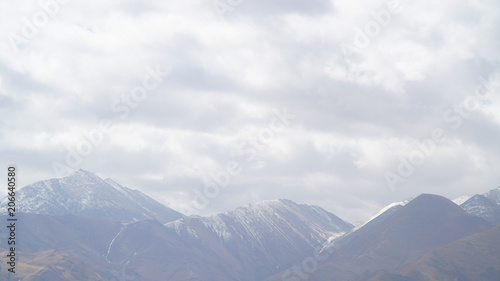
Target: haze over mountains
point(84, 228)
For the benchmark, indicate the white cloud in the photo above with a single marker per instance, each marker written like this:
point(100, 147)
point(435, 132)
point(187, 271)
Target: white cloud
point(355, 115)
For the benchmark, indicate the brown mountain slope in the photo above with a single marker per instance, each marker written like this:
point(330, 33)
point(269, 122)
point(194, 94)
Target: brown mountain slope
point(50, 265)
point(473, 258)
point(84, 239)
point(87, 238)
point(264, 236)
point(150, 251)
point(426, 223)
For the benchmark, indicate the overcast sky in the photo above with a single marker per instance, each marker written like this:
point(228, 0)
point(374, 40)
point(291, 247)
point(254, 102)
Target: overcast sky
point(315, 101)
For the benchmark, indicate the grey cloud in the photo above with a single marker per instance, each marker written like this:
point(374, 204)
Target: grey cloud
point(354, 117)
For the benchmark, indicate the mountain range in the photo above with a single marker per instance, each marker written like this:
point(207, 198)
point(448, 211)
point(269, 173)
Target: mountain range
point(82, 227)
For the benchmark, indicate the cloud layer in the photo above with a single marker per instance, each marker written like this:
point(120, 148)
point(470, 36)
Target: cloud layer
point(366, 84)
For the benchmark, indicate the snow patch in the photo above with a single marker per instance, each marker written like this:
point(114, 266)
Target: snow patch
point(385, 209)
point(460, 200)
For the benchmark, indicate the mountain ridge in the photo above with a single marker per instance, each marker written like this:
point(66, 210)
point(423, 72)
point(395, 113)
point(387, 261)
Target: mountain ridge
point(485, 205)
point(278, 233)
point(425, 223)
point(86, 194)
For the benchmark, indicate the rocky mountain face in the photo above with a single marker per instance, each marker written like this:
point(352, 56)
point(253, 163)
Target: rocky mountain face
point(494, 195)
point(486, 206)
point(85, 194)
point(267, 236)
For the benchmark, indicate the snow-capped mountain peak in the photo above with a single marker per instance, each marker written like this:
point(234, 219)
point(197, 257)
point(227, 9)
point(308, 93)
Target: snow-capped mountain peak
point(86, 194)
point(82, 177)
point(494, 195)
point(486, 206)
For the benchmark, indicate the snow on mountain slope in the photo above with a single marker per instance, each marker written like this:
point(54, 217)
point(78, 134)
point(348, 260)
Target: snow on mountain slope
point(278, 217)
point(460, 200)
point(486, 206)
point(277, 233)
point(391, 207)
point(426, 223)
point(335, 241)
point(85, 194)
point(494, 195)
